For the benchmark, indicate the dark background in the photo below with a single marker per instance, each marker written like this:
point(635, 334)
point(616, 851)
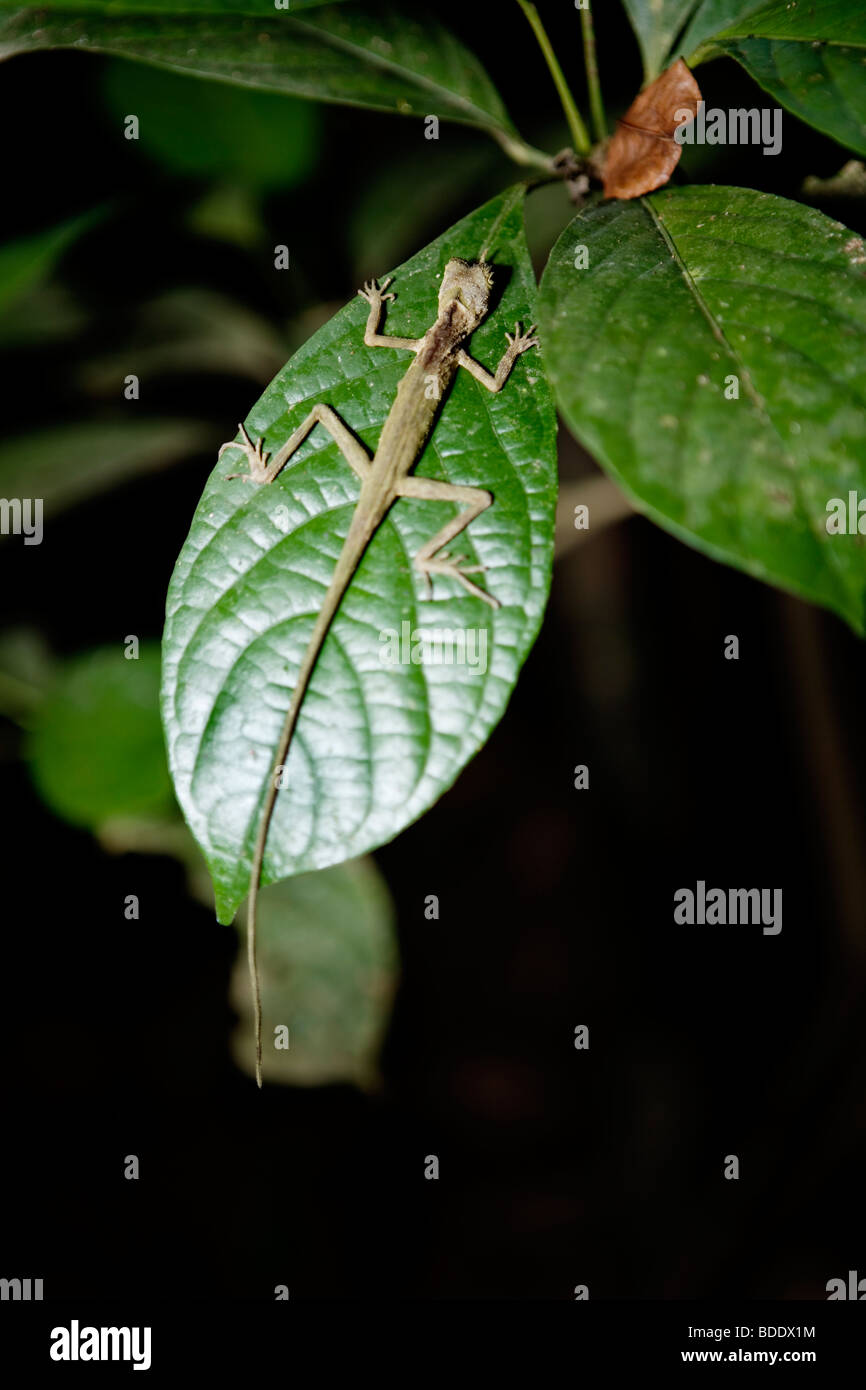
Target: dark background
point(558, 1167)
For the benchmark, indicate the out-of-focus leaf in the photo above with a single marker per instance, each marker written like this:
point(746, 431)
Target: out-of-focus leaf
point(212, 130)
point(389, 219)
point(161, 834)
point(66, 463)
point(374, 55)
point(26, 261)
point(189, 330)
point(657, 23)
point(229, 212)
point(43, 315)
point(328, 958)
point(27, 669)
point(708, 346)
point(95, 749)
point(850, 182)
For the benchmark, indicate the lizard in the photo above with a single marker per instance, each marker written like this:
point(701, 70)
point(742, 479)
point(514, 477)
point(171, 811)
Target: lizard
point(463, 303)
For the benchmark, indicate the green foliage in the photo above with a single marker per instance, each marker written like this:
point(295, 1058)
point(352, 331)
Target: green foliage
point(710, 17)
point(809, 57)
point(95, 748)
point(374, 56)
point(25, 262)
point(67, 463)
point(247, 137)
point(327, 940)
point(376, 744)
point(328, 957)
point(657, 23)
point(683, 292)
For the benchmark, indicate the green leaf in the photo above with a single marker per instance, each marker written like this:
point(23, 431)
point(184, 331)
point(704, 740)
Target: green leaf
point(210, 130)
point(708, 19)
point(389, 220)
point(120, 8)
point(809, 57)
point(95, 749)
point(831, 21)
point(27, 670)
point(373, 56)
point(185, 330)
point(685, 291)
point(328, 955)
point(67, 463)
point(25, 262)
point(376, 744)
point(657, 23)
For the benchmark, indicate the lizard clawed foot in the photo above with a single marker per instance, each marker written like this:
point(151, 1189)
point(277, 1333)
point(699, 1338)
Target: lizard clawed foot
point(454, 568)
point(521, 342)
point(256, 457)
point(374, 294)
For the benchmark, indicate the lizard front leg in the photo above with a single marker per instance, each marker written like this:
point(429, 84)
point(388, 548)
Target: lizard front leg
point(375, 297)
point(261, 471)
point(520, 342)
point(428, 561)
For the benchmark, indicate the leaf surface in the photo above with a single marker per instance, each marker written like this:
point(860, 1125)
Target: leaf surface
point(376, 743)
point(809, 57)
point(328, 955)
point(95, 750)
point(372, 55)
point(685, 293)
point(657, 23)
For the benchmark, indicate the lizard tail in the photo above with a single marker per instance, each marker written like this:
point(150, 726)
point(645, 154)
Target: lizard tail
point(308, 662)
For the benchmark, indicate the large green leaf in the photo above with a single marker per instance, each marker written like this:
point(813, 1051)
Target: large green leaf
point(374, 56)
point(809, 57)
point(328, 955)
point(376, 744)
point(119, 8)
point(657, 23)
point(683, 292)
point(710, 18)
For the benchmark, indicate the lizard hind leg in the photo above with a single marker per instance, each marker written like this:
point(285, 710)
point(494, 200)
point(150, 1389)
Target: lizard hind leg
point(432, 558)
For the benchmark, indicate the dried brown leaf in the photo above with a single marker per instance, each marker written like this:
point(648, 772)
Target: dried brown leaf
point(643, 152)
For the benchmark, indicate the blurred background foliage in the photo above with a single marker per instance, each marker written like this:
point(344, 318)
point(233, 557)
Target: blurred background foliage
point(155, 258)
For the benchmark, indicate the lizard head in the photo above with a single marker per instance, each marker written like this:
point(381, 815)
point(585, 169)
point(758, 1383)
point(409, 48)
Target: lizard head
point(467, 284)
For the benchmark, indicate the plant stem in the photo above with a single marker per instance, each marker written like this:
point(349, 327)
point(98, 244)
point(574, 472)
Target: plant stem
point(518, 150)
point(579, 133)
point(596, 104)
